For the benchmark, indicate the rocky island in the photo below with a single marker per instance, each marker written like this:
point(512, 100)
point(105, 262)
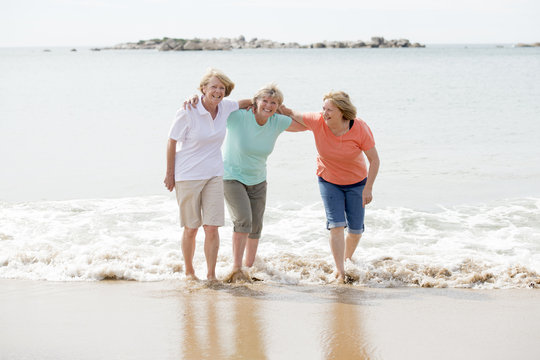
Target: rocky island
point(537, 44)
point(169, 44)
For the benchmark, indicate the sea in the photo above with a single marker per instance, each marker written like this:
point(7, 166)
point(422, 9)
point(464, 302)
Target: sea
point(456, 202)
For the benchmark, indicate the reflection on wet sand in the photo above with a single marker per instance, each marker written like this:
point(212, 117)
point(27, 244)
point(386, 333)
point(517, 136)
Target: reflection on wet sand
point(216, 327)
point(251, 322)
point(344, 337)
point(200, 324)
point(248, 330)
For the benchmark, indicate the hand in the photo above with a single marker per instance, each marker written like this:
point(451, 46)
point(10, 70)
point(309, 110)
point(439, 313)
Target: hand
point(169, 182)
point(367, 196)
point(191, 102)
point(284, 110)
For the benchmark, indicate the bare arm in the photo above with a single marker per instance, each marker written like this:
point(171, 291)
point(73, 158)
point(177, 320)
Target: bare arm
point(171, 155)
point(193, 100)
point(245, 103)
point(374, 162)
point(296, 127)
point(296, 116)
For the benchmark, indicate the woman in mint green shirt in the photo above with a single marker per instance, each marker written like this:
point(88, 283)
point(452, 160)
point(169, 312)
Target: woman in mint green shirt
point(251, 136)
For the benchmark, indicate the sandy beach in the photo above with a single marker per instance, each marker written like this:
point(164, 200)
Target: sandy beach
point(179, 320)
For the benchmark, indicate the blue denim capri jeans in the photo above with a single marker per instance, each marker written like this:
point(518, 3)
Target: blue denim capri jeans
point(343, 205)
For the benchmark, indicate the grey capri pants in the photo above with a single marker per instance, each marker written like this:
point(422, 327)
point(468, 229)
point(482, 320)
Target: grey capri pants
point(246, 204)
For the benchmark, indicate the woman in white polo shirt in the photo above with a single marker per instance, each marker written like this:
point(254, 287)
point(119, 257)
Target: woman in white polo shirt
point(195, 167)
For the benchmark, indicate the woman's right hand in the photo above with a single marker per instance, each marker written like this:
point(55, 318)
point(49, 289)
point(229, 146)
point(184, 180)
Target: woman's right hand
point(169, 182)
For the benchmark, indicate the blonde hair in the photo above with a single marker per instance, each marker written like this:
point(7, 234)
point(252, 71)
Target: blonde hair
point(229, 85)
point(270, 90)
point(342, 101)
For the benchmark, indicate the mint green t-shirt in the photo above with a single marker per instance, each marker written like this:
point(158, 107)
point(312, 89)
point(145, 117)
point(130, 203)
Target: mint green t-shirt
point(248, 145)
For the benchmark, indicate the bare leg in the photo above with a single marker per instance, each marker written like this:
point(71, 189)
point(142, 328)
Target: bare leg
point(239, 245)
point(351, 242)
point(211, 248)
point(188, 250)
point(251, 251)
point(337, 245)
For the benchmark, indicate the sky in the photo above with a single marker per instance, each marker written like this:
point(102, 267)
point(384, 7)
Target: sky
point(109, 22)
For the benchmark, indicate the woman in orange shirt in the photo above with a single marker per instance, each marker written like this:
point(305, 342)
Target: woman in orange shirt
point(345, 182)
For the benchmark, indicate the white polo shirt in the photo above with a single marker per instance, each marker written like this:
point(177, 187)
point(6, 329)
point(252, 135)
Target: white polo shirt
point(199, 139)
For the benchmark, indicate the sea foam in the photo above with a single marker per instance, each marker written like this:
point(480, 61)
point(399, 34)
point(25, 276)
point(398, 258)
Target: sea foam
point(476, 246)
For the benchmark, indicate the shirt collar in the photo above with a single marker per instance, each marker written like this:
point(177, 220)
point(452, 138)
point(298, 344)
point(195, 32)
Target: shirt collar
point(202, 110)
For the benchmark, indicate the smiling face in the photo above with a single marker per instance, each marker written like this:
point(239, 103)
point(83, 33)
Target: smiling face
point(214, 91)
point(331, 113)
point(267, 106)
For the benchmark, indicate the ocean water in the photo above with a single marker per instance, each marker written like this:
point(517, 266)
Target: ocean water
point(456, 202)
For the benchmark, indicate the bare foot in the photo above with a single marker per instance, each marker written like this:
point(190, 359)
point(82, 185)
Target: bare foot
point(238, 275)
point(341, 279)
point(191, 277)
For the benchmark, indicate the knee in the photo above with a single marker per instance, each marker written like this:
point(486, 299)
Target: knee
point(337, 230)
point(190, 232)
point(210, 230)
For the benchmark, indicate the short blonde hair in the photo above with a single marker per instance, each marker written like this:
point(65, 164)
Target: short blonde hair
point(210, 73)
point(270, 90)
point(342, 101)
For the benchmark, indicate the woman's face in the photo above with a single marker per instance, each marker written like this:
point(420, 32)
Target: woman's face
point(331, 112)
point(214, 91)
point(267, 106)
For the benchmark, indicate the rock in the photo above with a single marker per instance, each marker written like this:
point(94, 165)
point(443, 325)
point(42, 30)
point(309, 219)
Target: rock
point(192, 45)
point(527, 45)
point(293, 45)
point(167, 44)
point(358, 44)
point(178, 46)
point(402, 43)
point(377, 40)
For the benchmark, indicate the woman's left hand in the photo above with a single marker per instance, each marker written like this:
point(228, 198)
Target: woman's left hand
point(191, 102)
point(367, 196)
point(283, 110)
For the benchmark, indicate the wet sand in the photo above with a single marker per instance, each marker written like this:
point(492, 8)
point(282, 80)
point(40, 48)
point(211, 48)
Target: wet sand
point(179, 320)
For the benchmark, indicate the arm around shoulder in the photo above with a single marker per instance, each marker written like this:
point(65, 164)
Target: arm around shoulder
point(245, 103)
point(296, 116)
point(296, 126)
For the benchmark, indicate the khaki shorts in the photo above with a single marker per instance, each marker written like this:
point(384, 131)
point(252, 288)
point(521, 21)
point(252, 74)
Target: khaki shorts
point(201, 202)
point(246, 206)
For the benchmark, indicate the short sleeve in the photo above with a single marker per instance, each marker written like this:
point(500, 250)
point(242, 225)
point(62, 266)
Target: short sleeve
point(367, 141)
point(283, 122)
point(234, 118)
point(180, 126)
point(311, 119)
point(229, 106)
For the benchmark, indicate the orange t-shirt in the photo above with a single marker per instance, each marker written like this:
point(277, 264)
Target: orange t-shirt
point(341, 158)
